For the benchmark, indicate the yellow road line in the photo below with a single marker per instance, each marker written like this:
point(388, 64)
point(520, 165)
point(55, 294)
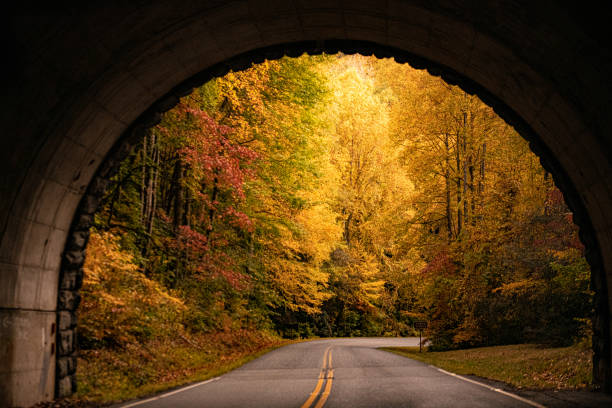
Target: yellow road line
point(325, 395)
point(315, 393)
point(322, 377)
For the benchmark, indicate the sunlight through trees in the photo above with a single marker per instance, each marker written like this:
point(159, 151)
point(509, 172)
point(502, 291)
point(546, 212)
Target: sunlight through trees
point(339, 196)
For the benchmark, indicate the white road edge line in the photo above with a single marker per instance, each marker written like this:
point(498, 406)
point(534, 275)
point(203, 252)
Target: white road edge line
point(133, 404)
point(509, 394)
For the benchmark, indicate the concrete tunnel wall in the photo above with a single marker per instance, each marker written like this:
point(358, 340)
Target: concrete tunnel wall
point(82, 79)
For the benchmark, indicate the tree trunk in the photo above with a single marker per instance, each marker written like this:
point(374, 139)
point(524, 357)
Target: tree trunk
point(458, 182)
point(149, 188)
point(481, 181)
point(143, 179)
point(178, 194)
point(471, 171)
point(447, 182)
point(211, 212)
point(465, 170)
point(187, 212)
point(154, 187)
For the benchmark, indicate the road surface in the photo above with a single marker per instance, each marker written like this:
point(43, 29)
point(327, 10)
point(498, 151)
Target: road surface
point(335, 373)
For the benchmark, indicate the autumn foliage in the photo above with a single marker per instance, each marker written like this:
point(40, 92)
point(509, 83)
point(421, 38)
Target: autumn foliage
point(342, 196)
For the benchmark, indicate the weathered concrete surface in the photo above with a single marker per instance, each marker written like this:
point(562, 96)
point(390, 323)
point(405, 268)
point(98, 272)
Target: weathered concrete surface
point(80, 78)
point(25, 378)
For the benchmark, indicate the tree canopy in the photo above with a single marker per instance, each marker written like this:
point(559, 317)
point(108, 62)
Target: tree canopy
point(344, 196)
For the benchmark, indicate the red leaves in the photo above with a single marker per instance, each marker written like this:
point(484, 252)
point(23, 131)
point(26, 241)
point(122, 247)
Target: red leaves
point(559, 231)
point(441, 264)
point(238, 219)
point(218, 168)
point(207, 259)
point(214, 157)
point(191, 240)
point(555, 201)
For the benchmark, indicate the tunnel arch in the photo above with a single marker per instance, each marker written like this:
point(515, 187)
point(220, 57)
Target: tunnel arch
point(41, 251)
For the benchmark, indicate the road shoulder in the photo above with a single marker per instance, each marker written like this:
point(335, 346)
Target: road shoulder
point(583, 398)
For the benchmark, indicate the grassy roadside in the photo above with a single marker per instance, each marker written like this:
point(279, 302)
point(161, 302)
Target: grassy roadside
point(522, 366)
point(106, 377)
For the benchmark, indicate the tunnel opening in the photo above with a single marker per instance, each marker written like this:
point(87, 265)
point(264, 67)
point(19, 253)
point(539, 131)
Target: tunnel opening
point(73, 258)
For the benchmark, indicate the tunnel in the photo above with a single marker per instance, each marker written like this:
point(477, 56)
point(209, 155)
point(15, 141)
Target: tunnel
point(81, 83)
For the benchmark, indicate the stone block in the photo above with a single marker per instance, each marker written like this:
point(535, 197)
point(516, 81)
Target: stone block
point(55, 247)
point(83, 222)
point(65, 320)
point(62, 368)
point(36, 289)
point(74, 258)
point(123, 96)
point(67, 161)
point(48, 201)
point(108, 140)
point(77, 240)
point(64, 387)
point(66, 366)
point(98, 186)
point(35, 244)
point(9, 274)
point(12, 239)
point(85, 171)
point(71, 279)
point(89, 204)
point(66, 342)
point(68, 300)
point(47, 289)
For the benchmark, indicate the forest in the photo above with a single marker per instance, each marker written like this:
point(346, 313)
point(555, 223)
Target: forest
point(333, 195)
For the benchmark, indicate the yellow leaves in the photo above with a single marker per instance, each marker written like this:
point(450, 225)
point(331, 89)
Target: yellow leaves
point(113, 268)
point(413, 315)
point(519, 287)
point(301, 286)
point(321, 232)
point(105, 256)
point(374, 289)
point(119, 299)
point(112, 300)
point(566, 255)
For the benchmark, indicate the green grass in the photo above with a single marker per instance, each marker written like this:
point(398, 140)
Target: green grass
point(522, 366)
point(109, 376)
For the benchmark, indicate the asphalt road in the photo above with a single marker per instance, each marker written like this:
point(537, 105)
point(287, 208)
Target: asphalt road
point(332, 374)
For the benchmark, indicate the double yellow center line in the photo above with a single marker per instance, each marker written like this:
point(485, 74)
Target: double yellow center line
point(327, 373)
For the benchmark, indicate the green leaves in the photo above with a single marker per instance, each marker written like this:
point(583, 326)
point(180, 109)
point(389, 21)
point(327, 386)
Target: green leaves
point(349, 195)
